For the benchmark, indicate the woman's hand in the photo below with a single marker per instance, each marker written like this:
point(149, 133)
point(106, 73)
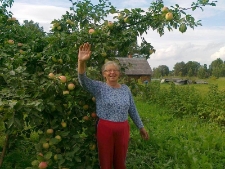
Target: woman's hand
point(84, 52)
point(144, 133)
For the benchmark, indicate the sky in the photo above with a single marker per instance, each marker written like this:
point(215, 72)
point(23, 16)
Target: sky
point(204, 44)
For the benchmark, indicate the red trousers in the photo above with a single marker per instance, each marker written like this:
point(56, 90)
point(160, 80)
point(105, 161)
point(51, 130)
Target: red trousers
point(113, 139)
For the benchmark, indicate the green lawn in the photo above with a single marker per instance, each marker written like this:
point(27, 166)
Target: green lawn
point(175, 143)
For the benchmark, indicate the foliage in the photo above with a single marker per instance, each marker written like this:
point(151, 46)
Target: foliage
point(194, 69)
point(186, 100)
point(36, 70)
point(20, 153)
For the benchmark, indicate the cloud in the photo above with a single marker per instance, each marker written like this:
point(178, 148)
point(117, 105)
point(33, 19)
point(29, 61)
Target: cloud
point(195, 45)
point(176, 52)
point(41, 14)
point(219, 54)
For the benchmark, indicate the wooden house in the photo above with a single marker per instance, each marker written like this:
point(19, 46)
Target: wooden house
point(137, 68)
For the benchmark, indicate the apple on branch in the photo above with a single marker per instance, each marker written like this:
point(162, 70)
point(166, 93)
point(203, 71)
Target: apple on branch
point(85, 118)
point(169, 16)
point(71, 86)
point(55, 157)
point(85, 107)
point(58, 137)
point(110, 24)
point(11, 42)
point(93, 115)
point(45, 145)
point(51, 76)
point(43, 165)
point(66, 92)
point(49, 131)
point(62, 79)
point(93, 99)
point(63, 124)
point(19, 44)
point(104, 54)
point(165, 9)
point(91, 31)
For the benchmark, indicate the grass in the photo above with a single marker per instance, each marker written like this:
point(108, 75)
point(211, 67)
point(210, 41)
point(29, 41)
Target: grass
point(175, 143)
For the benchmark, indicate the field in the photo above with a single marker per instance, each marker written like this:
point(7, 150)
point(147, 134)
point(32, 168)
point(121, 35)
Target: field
point(204, 88)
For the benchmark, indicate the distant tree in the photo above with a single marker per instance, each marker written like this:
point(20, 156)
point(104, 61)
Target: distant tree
point(180, 69)
point(216, 67)
point(192, 68)
point(202, 72)
point(160, 71)
point(164, 70)
point(223, 70)
point(156, 73)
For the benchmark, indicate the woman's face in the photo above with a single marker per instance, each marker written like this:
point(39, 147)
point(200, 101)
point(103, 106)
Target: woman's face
point(111, 73)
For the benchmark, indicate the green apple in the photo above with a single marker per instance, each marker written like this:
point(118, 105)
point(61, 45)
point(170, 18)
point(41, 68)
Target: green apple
point(55, 157)
point(45, 145)
point(165, 9)
point(63, 124)
point(66, 92)
point(58, 137)
point(71, 86)
point(169, 16)
point(49, 131)
point(51, 76)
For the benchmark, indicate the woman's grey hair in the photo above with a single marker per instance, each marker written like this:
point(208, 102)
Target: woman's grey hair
point(110, 63)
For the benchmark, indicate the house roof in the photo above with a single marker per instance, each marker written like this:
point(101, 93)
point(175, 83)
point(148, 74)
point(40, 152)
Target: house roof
point(136, 66)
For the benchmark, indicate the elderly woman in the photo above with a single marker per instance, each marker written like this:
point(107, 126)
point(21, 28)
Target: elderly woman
point(114, 103)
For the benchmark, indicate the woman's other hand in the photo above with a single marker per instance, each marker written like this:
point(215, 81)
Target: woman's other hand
point(144, 133)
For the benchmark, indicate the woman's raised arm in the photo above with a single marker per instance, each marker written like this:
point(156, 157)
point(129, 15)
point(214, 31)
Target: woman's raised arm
point(83, 55)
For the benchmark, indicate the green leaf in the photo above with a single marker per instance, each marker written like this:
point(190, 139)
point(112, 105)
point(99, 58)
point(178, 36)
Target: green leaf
point(18, 123)
point(19, 105)
point(77, 159)
point(61, 161)
point(48, 155)
point(64, 133)
point(53, 141)
point(10, 122)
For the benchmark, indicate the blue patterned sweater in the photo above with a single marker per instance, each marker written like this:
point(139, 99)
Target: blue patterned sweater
point(113, 104)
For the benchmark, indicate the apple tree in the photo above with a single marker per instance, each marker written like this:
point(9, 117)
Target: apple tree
point(40, 92)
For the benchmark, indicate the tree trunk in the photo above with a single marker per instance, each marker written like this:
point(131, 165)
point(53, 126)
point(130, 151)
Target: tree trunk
point(4, 150)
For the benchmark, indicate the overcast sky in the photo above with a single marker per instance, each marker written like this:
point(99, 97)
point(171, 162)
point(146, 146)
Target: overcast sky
point(204, 44)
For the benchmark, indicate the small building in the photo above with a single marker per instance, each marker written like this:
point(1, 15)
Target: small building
point(137, 68)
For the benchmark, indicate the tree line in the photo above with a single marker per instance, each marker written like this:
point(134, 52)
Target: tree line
point(192, 69)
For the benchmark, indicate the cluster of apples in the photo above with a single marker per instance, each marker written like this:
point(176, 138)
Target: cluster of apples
point(44, 164)
point(92, 31)
point(63, 79)
point(168, 14)
point(11, 42)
